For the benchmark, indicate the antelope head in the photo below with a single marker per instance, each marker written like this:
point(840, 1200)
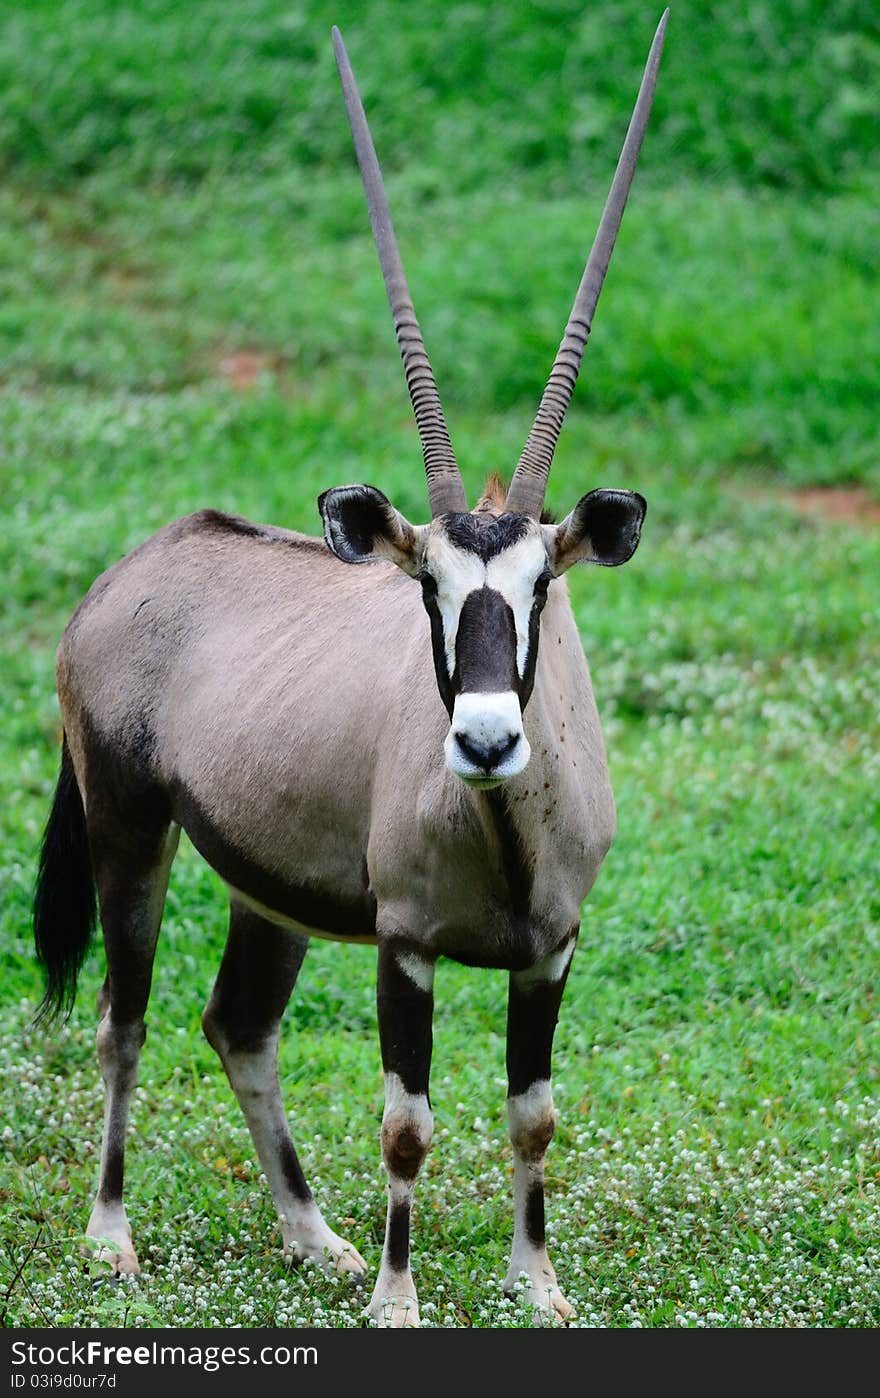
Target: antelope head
point(485, 574)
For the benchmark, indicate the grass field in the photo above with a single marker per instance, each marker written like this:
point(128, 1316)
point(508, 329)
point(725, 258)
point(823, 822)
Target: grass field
point(191, 315)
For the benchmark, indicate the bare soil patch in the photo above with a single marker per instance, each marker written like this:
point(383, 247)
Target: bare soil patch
point(243, 368)
point(829, 504)
point(853, 505)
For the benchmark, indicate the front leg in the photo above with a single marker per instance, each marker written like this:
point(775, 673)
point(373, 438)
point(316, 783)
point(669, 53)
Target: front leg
point(405, 997)
point(533, 1007)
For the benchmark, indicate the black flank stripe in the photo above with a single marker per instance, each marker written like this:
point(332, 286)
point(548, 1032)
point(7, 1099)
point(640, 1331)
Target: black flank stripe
point(311, 906)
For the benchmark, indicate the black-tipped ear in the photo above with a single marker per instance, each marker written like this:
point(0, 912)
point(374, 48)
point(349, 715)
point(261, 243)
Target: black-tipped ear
point(361, 525)
point(604, 527)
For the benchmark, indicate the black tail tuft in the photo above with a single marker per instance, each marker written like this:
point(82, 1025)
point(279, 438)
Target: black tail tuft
point(64, 898)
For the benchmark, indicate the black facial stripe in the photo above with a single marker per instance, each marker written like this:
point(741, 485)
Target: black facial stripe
point(438, 642)
point(485, 646)
point(527, 679)
point(484, 534)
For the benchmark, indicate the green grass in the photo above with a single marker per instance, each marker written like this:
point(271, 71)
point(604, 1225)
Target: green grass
point(179, 188)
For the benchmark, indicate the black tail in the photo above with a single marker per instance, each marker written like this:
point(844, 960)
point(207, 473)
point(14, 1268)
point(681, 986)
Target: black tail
point(64, 899)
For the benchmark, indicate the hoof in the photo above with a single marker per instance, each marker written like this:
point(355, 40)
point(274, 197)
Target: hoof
point(550, 1307)
point(348, 1262)
point(541, 1294)
point(394, 1312)
point(111, 1257)
point(108, 1242)
point(333, 1254)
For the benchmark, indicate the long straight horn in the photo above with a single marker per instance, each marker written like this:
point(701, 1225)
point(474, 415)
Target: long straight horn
point(526, 493)
point(445, 486)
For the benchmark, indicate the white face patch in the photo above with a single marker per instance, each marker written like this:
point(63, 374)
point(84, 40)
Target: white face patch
point(513, 573)
point(457, 573)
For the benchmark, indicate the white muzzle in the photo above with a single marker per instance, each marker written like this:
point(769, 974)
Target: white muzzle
point(486, 743)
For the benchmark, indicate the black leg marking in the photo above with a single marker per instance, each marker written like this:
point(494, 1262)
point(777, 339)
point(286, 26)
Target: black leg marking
point(534, 1215)
point(397, 1240)
point(112, 1174)
point(260, 966)
point(532, 1015)
point(406, 1003)
point(292, 1171)
point(405, 1023)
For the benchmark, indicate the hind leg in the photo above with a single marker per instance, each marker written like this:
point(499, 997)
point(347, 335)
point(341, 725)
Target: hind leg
point(132, 882)
point(242, 1022)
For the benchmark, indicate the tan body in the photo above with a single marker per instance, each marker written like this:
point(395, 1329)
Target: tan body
point(284, 705)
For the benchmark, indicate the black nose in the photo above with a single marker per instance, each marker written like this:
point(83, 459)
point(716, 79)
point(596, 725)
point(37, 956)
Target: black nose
point(484, 756)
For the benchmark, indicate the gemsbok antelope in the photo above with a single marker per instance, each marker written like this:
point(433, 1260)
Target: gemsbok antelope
point(351, 770)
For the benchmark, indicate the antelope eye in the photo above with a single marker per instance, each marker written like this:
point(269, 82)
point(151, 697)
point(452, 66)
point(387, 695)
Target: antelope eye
point(542, 582)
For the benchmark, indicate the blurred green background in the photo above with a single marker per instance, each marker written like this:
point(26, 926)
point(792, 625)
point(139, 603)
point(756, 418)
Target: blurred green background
point(178, 181)
point(191, 314)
